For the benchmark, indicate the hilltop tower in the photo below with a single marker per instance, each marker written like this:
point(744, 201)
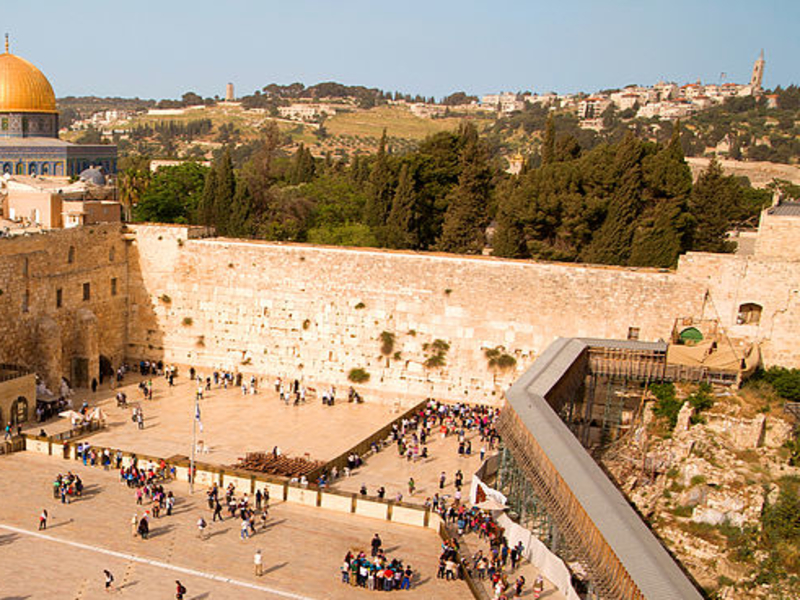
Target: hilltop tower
point(229, 97)
point(758, 74)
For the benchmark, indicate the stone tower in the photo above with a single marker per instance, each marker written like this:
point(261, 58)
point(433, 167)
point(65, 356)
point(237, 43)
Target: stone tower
point(229, 97)
point(758, 74)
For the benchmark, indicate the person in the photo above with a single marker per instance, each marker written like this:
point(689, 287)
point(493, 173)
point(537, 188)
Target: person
point(519, 584)
point(411, 486)
point(442, 479)
point(407, 574)
point(109, 579)
point(134, 524)
point(144, 527)
point(538, 586)
point(376, 544)
point(180, 590)
point(201, 528)
point(258, 562)
point(43, 519)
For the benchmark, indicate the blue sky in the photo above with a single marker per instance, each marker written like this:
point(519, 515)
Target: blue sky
point(161, 49)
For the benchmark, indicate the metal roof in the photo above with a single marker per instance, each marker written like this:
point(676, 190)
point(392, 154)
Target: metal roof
point(660, 346)
point(785, 209)
point(650, 566)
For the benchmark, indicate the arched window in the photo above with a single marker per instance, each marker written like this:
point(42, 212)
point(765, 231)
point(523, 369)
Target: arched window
point(32, 168)
point(71, 255)
point(749, 314)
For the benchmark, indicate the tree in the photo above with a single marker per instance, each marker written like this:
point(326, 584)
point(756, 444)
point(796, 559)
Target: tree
point(549, 142)
point(612, 243)
point(173, 194)
point(401, 226)
point(303, 167)
point(467, 204)
point(710, 204)
point(133, 181)
point(381, 187)
point(224, 189)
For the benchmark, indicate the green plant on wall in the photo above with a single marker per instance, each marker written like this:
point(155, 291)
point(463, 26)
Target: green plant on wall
point(187, 321)
point(165, 299)
point(358, 375)
point(499, 359)
point(387, 343)
point(436, 353)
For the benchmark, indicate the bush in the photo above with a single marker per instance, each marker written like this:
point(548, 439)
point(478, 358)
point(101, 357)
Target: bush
point(786, 382)
point(358, 375)
point(437, 351)
point(387, 343)
point(499, 359)
point(187, 321)
point(667, 406)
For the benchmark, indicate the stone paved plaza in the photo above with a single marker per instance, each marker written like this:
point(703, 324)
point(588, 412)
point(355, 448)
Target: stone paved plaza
point(303, 547)
point(232, 423)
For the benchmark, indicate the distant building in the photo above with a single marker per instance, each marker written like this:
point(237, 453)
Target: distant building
point(229, 95)
point(757, 74)
point(504, 102)
point(29, 143)
point(53, 204)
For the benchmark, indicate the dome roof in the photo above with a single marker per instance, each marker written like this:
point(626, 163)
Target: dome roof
point(93, 175)
point(23, 87)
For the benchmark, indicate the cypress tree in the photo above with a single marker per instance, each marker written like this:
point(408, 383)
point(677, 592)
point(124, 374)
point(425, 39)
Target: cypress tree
point(467, 204)
point(549, 141)
point(381, 188)
point(612, 242)
point(207, 200)
point(242, 213)
point(711, 202)
point(402, 222)
point(225, 189)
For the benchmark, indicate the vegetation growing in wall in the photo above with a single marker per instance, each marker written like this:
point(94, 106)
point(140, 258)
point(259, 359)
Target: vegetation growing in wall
point(785, 382)
point(187, 321)
point(358, 375)
point(306, 324)
point(387, 342)
point(436, 353)
point(360, 306)
point(165, 299)
point(499, 359)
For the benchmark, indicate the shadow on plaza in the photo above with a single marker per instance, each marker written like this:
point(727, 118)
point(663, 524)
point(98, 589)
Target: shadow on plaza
point(14, 597)
point(274, 568)
point(159, 531)
point(6, 539)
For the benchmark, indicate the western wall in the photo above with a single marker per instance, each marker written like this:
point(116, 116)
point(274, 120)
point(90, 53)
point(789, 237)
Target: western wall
point(317, 312)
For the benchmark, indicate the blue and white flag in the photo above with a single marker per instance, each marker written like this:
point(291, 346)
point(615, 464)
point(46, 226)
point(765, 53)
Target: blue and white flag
point(197, 415)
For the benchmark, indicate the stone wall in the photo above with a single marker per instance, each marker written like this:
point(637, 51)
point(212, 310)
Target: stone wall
point(44, 337)
point(318, 312)
point(300, 310)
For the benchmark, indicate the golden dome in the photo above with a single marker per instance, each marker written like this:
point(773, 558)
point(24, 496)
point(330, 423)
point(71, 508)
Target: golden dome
point(23, 87)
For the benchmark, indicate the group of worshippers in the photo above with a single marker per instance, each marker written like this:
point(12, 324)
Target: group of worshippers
point(147, 481)
point(67, 486)
point(377, 572)
point(237, 507)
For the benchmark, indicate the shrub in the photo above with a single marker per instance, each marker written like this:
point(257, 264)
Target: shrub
point(187, 321)
point(667, 406)
point(387, 343)
point(499, 359)
point(360, 305)
point(306, 324)
point(786, 382)
point(436, 353)
point(165, 299)
point(358, 375)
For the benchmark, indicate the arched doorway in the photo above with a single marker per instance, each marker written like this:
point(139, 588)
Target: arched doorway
point(106, 369)
point(19, 411)
point(690, 336)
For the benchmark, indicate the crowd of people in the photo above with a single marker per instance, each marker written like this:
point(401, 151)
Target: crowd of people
point(377, 572)
point(250, 514)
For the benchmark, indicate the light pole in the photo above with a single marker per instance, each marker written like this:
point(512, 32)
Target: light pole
point(195, 418)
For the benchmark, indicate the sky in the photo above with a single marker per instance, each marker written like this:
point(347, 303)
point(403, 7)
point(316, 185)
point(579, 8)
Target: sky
point(150, 49)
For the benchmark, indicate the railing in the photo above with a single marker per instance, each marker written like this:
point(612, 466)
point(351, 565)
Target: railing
point(364, 447)
point(15, 444)
point(478, 590)
point(792, 408)
point(76, 432)
point(9, 372)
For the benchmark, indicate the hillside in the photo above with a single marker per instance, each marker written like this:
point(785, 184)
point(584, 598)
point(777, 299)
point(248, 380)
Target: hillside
point(718, 487)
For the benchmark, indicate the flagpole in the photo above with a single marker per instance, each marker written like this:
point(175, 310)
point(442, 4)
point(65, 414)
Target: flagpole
point(194, 444)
